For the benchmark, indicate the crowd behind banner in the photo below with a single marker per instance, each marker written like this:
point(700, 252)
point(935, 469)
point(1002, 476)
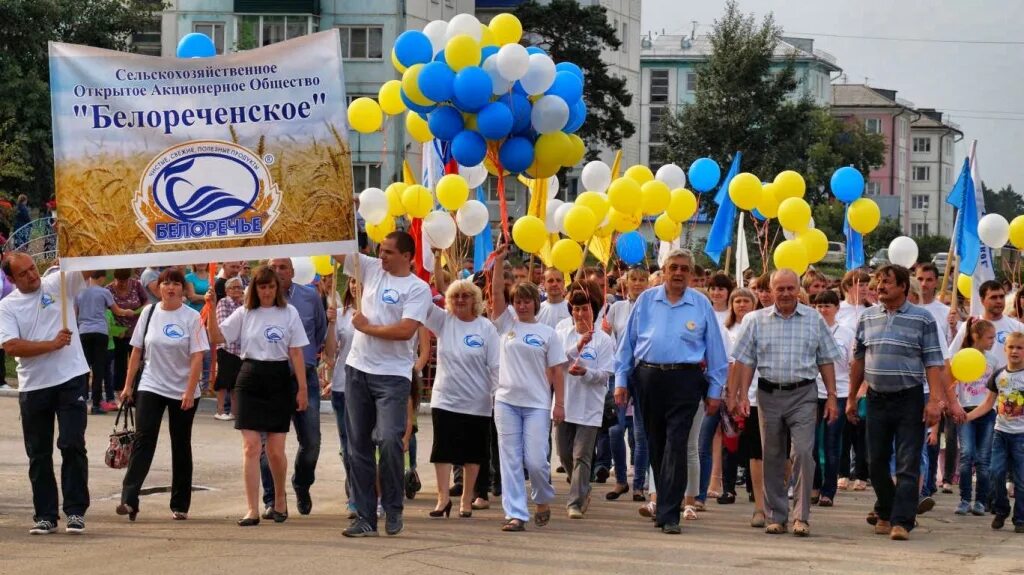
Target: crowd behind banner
point(678, 385)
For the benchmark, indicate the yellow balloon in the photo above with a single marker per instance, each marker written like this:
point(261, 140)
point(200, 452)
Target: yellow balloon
point(1017, 232)
point(417, 128)
point(815, 242)
point(576, 153)
point(566, 255)
point(580, 223)
point(597, 202)
point(507, 28)
point(390, 97)
point(552, 148)
point(745, 191)
point(398, 65)
point(364, 115)
point(394, 196)
point(529, 233)
point(487, 37)
point(769, 204)
point(623, 222)
point(411, 86)
point(791, 255)
point(789, 184)
point(452, 191)
point(543, 169)
point(666, 229)
point(794, 214)
point(640, 174)
point(964, 284)
point(462, 51)
point(377, 232)
point(967, 365)
point(864, 215)
point(624, 195)
point(323, 265)
point(417, 201)
point(681, 205)
point(654, 197)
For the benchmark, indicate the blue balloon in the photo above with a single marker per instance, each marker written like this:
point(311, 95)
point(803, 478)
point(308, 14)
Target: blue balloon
point(847, 184)
point(704, 174)
point(577, 115)
point(631, 248)
point(413, 47)
point(495, 121)
point(469, 148)
point(196, 45)
point(439, 57)
point(569, 67)
point(515, 155)
point(486, 52)
point(436, 81)
point(416, 107)
point(472, 90)
point(521, 110)
point(445, 123)
point(566, 86)
point(518, 88)
point(531, 50)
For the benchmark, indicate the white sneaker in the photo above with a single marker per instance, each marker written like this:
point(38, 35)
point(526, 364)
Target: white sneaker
point(222, 417)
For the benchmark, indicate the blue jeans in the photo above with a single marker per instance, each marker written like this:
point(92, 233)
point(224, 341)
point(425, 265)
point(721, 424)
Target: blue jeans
point(307, 431)
point(707, 441)
point(617, 444)
point(976, 453)
point(832, 436)
point(338, 403)
point(523, 443)
point(1007, 456)
point(641, 452)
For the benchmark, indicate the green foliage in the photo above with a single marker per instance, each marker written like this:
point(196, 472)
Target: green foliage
point(888, 230)
point(575, 33)
point(928, 246)
point(1005, 202)
point(837, 144)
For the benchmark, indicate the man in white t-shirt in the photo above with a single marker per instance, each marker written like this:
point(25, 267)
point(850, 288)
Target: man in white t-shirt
point(928, 276)
point(52, 383)
point(378, 374)
point(554, 309)
point(993, 302)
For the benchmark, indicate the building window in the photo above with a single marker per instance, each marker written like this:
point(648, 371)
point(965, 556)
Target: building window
point(922, 173)
point(691, 81)
point(350, 97)
point(903, 162)
point(918, 230)
point(255, 30)
point(948, 144)
point(659, 86)
point(657, 135)
point(365, 175)
point(362, 42)
point(510, 189)
point(873, 126)
point(656, 156)
point(625, 38)
point(919, 202)
point(922, 144)
point(213, 30)
point(947, 175)
point(147, 40)
point(872, 188)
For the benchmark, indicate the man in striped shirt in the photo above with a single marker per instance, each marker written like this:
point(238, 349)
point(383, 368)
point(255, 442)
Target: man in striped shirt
point(897, 350)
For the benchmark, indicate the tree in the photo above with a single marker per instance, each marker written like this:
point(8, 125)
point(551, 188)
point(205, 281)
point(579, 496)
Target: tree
point(836, 144)
point(888, 230)
point(570, 32)
point(1005, 202)
point(26, 155)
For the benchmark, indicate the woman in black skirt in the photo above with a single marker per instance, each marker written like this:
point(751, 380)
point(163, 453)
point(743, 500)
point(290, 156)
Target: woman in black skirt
point(270, 333)
point(461, 400)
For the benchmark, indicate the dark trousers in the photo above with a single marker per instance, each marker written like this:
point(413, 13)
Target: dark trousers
point(827, 444)
point(149, 413)
point(65, 402)
point(668, 401)
point(122, 349)
point(896, 418)
point(307, 432)
point(95, 347)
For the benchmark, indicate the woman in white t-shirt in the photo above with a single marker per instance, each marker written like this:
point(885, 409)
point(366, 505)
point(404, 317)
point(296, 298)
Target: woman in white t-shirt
point(169, 344)
point(336, 349)
point(531, 367)
point(271, 334)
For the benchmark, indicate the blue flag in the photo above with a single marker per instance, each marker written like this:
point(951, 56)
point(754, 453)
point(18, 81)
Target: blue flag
point(854, 245)
point(965, 232)
point(482, 242)
point(722, 228)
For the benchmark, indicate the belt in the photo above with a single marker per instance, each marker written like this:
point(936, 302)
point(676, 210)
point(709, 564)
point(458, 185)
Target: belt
point(668, 366)
point(770, 386)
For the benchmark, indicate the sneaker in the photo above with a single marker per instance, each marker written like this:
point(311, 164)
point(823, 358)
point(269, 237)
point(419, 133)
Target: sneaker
point(998, 521)
point(360, 528)
point(964, 508)
point(43, 527)
point(75, 524)
point(977, 509)
point(1018, 528)
point(97, 410)
point(380, 511)
point(222, 417)
point(671, 529)
point(393, 525)
point(108, 406)
point(575, 512)
point(925, 505)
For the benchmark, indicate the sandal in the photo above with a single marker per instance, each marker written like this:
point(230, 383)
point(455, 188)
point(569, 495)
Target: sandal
point(619, 491)
point(513, 525)
point(775, 529)
point(801, 529)
point(541, 518)
point(825, 501)
point(480, 503)
point(714, 494)
point(757, 520)
point(179, 515)
point(699, 506)
point(689, 513)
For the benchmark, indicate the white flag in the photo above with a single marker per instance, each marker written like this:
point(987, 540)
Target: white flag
point(985, 270)
point(742, 259)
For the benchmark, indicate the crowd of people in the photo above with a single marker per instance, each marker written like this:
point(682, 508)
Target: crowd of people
point(797, 388)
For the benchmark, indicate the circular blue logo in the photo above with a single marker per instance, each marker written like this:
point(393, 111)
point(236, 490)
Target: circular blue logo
point(274, 334)
point(174, 331)
point(205, 186)
point(533, 339)
point(588, 354)
point(389, 296)
point(473, 340)
point(46, 300)
point(1001, 336)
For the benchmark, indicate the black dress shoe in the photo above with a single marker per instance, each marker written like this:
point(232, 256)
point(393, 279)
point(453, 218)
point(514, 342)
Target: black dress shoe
point(280, 517)
point(304, 502)
point(248, 521)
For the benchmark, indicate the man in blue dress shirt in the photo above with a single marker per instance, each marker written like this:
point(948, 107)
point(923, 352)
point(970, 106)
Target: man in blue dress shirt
point(671, 332)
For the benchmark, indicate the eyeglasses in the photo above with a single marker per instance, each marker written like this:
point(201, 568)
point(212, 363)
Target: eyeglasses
point(462, 295)
point(679, 268)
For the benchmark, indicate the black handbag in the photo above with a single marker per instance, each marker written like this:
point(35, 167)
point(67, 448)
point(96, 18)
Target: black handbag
point(610, 414)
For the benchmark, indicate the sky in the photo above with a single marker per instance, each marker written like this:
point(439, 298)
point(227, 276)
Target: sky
point(975, 74)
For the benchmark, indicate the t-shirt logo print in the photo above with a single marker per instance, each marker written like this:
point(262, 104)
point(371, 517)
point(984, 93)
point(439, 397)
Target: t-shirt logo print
point(588, 353)
point(174, 331)
point(274, 334)
point(46, 300)
point(473, 340)
point(533, 339)
point(389, 296)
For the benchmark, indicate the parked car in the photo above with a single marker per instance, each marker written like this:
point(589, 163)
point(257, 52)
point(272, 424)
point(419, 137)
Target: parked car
point(940, 260)
point(881, 258)
point(836, 253)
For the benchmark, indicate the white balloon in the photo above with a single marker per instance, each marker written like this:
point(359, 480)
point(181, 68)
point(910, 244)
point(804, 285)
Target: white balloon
point(672, 175)
point(994, 230)
point(474, 176)
point(436, 31)
point(790, 235)
point(560, 215)
point(551, 221)
point(439, 229)
point(464, 24)
point(596, 176)
point(373, 205)
point(549, 114)
point(499, 85)
point(472, 217)
point(553, 187)
point(540, 74)
point(512, 60)
point(903, 251)
point(304, 272)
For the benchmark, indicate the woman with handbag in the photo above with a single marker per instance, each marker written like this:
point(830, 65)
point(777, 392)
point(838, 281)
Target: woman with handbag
point(270, 333)
point(170, 349)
